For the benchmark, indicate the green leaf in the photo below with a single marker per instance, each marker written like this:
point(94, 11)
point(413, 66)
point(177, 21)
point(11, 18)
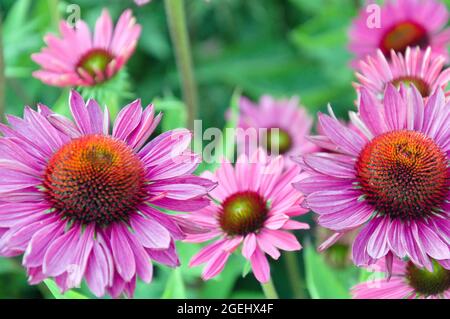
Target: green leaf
point(222, 286)
point(247, 269)
point(58, 295)
point(174, 113)
point(111, 92)
point(175, 286)
point(321, 280)
point(61, 106)
point(226, 145)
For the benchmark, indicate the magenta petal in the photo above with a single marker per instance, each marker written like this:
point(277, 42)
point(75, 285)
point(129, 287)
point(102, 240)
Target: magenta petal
point(60, 254)
point(64, 125)
point(122, 253)
point(394, 109)
point(260, 266)
point(374, 120)
point(76, 272)
point(144, 267)
point(41, 240)
point(166, 147)
point(433, 244)
point(319, 183)
point(127, 120)
point(377, 246)
point(150, 233)
point(167, 257)
point(329, 166)
point(169, 222)
point(215, 265)
point(249, 245)
point(281, 239)
point(346, 139)
point(98, 270)
point(206, 253)
point(276, 221)
point(359, 249)
point(79, 112)
point(328, 202)
point(266, 245)
point(95, 117)
point(103, 30)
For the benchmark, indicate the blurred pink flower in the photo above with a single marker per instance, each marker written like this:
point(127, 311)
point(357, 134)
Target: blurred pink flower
point(253, 206)
point(82, 59)
point(287, 124)
point(415, 67)
point(81, 202)
point(403, 23)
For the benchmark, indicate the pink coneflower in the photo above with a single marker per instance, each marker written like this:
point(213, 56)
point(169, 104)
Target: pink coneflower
point(281, 126)
point(253, 205)
point(407, 282)
point(402, 24)
point(82, 59)
point(81, 202)
point(415, 67)
point(393, 183)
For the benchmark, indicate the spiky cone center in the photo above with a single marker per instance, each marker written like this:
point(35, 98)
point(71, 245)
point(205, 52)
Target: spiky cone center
point(95, 63)
point(277, 141)
point(404, 175)
point(95, 179)
point(428, 283)
point(404, 34)
point(243, 213)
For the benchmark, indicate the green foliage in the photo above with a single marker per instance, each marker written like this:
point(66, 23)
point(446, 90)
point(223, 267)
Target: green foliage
point(54, 290)
point(321, 279)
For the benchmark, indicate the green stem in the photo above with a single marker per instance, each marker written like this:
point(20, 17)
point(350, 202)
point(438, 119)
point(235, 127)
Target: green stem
point(176, 19)
point(2, 75)
point(293, 272)
point(53, 7)
point(269, 290)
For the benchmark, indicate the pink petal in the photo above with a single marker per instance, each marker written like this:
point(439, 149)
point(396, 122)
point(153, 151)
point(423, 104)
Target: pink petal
point(122, 253)
point(260, 266)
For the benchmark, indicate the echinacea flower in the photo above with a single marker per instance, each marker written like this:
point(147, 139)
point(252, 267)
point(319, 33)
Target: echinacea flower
point(81, 59)
point(407, 282)
point(392, 184)
point(280, 126)
point(82, 202)
point(402, 24)
point(416, 67)
point(253, 206)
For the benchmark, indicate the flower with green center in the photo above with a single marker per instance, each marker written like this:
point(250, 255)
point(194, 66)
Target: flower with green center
point(243, 213)
point(418, 68)
point(400, 24)
point(253, 206)
point(279, 126)
point(407, 282)
point(278, 141)
point(81, 59)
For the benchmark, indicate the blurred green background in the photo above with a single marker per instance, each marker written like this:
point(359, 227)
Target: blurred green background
point(283, 48)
